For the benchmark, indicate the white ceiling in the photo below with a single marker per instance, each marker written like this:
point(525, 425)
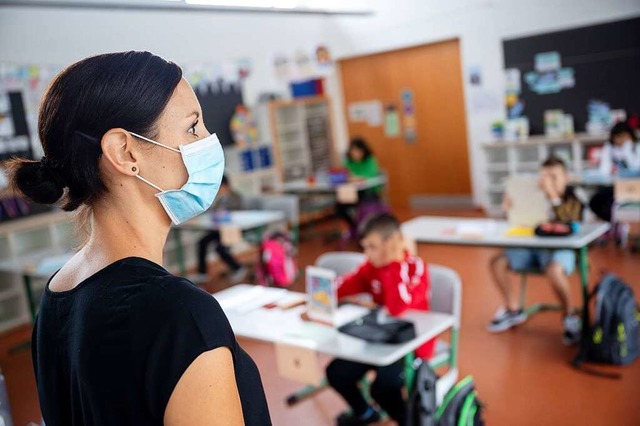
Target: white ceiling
point(274, 6)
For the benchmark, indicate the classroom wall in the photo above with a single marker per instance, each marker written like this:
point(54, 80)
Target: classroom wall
point(62, 36)
point(481, 25)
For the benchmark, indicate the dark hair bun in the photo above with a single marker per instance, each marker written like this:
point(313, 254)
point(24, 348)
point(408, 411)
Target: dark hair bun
point(36, 181)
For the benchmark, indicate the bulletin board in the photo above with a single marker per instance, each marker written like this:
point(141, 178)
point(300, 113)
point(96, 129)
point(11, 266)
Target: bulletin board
point(218, 101)
point(605, 60)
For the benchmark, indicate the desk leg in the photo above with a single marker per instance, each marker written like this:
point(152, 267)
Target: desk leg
point(584, 281)
point(182, 265)
point(584, 275)
point(30, 299)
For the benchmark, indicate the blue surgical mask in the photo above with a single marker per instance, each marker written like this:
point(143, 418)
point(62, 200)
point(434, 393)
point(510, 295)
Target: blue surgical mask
point(204, 160)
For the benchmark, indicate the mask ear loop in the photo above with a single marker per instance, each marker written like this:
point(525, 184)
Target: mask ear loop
point(149, 183)
point(154, 142)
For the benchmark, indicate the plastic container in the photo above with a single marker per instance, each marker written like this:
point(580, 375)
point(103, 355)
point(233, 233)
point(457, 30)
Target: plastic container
point(338, 176)
point(313, 87)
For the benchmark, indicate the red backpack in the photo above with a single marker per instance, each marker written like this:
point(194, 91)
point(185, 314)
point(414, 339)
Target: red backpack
point(277, 265)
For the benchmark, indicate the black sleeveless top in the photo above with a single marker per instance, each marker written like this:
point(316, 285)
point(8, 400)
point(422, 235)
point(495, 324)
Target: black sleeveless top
point(111, 350)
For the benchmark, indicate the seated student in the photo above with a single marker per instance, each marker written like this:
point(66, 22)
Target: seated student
point(620, 154)
point(397, 281)
point(557, 264)
point(361, 164)
point(227, 200)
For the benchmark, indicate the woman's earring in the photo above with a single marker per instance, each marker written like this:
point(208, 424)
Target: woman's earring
point(134, 169)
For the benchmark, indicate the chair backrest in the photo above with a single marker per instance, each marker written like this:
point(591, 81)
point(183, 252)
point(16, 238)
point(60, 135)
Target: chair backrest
point(446, 292)
point(287, 204)
point(341, 262)
point(627, 190)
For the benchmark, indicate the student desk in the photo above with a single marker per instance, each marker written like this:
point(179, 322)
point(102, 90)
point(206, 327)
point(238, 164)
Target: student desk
point(245, 220)
point(285, 326)
point(492, 233)
point(302, 186)
point(327, 191)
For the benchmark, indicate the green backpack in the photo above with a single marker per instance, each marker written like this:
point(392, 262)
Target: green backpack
point(460, 406)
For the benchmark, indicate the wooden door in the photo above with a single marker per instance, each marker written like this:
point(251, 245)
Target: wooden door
point(437, 162)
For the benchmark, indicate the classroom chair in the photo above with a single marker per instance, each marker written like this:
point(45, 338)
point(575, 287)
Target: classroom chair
point(626, 208)
point(341, 262)
point(446, 297)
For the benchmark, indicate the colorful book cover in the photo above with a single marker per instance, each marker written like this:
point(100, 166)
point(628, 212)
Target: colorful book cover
point(322, 292)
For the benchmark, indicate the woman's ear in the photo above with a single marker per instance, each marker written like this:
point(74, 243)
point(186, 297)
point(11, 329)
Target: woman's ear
point(119, 148)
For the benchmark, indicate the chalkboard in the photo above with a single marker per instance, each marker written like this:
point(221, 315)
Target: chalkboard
point(606, 63)
point(218, 101)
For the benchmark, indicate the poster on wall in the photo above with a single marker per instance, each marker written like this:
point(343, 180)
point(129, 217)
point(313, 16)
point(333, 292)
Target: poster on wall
point(303, 64)
point(29, 82)
point(512, 80)
point(547, 61)
point(475, 75)
point(549, 76)
point(391, 121)
point(408, 116)
point(369, 112)
point(6, 122)
point(218, 86)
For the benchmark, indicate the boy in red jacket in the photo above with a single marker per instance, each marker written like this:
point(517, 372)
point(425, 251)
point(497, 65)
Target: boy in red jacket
point(397, 281)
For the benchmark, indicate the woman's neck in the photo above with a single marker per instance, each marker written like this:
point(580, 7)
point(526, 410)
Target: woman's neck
point(118, 231)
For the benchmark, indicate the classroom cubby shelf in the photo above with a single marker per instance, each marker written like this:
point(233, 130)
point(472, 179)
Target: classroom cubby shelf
point(506, 158)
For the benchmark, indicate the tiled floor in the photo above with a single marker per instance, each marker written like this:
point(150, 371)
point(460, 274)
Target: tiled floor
point(523, 375)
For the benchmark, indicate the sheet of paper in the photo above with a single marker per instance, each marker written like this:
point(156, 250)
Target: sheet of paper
point(476, 229)
point(529, 205)
point(348, 313)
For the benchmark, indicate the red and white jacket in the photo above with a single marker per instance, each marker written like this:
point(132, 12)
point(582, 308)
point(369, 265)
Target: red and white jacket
point(397, 286)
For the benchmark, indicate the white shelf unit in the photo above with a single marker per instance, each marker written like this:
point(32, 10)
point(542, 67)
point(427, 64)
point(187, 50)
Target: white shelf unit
point(302, 137)
point(504, 159)
point(47, 231)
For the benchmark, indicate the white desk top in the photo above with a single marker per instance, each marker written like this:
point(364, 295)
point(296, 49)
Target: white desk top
point(243, 219)
point(286, 326)
point(302, 186)
point(593, 178)
point(444, 230)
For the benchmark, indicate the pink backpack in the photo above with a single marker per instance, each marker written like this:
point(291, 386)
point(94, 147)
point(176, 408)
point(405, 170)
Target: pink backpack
point(277, 266)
